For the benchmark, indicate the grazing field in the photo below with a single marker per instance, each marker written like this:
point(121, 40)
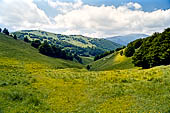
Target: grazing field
point(33, 83)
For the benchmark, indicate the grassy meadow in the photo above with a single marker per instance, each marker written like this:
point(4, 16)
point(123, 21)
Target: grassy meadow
point(34, 83)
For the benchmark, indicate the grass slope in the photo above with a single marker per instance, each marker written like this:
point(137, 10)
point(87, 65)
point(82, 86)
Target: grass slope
point(32, 85)
point(113, 61)
point(18, 50)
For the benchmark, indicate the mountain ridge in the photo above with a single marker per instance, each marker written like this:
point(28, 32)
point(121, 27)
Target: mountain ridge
point(125, 39)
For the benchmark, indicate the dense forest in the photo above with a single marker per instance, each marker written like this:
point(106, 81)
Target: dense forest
point(151, 51)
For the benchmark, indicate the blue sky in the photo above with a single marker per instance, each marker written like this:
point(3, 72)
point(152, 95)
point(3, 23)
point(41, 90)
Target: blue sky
point(147, 5)
point(94, 18)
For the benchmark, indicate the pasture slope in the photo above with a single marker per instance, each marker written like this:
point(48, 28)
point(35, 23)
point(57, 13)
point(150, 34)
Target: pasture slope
point(33, 83)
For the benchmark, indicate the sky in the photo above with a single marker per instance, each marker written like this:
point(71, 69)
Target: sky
point(93, 18)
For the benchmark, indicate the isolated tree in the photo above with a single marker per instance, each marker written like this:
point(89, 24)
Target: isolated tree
point(121, 52)
point(88, 67)
point(15, 37)
point(5, 31)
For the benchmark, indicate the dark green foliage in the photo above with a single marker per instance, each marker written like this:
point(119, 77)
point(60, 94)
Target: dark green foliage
point(88, 67)
point(103, 55)
point(78, 58)
point(0, 30)
point(5, 31)
point(26, 39)
point(57, 52)
point(36, 43)
point(137, 43)
point(121, 52)
point(129, 51)
point(46, 49)
point(154, 51)
point(15, 37)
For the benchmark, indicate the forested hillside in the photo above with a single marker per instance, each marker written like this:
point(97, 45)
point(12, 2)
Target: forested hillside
point(76, 44)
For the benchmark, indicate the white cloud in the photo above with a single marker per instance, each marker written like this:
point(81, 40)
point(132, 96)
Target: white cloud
point(134, 5)
point(21, 14)
point(65, 7)
point(106, 21)
point(78, 18)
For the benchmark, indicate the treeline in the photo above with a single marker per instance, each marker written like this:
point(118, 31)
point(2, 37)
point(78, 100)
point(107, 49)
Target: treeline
point(6, 32)
point(151, 51)
point(52, 50)
point(154, 51)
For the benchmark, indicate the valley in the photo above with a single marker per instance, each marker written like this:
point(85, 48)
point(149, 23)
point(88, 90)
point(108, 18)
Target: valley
point(32, 82)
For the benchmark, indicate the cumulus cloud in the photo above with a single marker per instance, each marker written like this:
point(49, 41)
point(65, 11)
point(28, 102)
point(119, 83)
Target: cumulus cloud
point(106, 21)
point(134, 5)
point(21, 14)
point(78, 18)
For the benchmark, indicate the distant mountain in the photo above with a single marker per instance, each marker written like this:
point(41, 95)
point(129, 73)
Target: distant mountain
point(124, 40)
point(77, 44)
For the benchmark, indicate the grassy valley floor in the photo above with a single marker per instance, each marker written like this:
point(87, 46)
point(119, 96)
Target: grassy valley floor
point(33, 83)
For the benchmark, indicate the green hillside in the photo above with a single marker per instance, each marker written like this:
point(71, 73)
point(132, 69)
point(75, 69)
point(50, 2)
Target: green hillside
point(112, 61)
point(34, 83)
point(18, 50)
point(78, 44)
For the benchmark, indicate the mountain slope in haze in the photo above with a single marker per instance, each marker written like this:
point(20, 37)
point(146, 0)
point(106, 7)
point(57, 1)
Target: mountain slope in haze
point(81, 45)
point(124, 40)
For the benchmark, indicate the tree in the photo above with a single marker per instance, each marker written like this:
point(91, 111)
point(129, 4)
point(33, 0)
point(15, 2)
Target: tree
point(88, 67)
point(0, 30)
point(46, 49)
point(15, 37)
point(121, 52)
point(36, 43)
point(5, 31)
point(129, 51)
point(26, 39)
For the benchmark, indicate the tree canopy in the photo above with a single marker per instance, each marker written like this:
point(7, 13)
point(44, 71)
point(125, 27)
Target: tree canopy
point(5, 31)
point(154, 51)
